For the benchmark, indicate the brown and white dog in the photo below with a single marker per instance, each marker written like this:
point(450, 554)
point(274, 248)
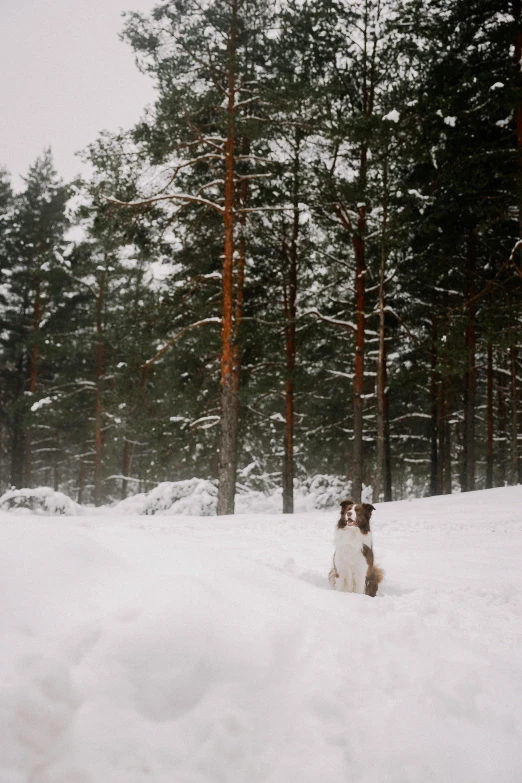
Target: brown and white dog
point(353, 568)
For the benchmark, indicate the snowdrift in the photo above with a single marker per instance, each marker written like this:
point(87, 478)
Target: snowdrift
point(193, 496)
point(41, 500)
point(211, 651)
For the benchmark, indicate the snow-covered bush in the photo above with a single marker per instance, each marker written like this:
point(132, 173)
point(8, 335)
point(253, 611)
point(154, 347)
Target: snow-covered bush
point(253, 478)
point(323, 491)
point(315, 492)
point(196, 497)
point(41, 500)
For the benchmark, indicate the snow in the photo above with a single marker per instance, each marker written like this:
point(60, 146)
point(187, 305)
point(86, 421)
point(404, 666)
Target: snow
point(40, 403)
point(210, 649)
point(392, 116)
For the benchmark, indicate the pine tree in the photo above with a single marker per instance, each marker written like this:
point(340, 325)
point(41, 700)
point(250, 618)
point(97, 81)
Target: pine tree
point(205, 60)
point(33, 244)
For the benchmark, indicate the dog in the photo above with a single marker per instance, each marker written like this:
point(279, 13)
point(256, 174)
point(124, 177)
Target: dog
point(354, 570)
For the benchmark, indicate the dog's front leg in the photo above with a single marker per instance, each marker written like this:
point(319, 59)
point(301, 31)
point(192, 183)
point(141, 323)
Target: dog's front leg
point(360, 578)
point(332, 574)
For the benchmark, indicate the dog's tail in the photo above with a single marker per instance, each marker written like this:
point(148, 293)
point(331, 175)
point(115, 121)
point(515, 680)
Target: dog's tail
point(374, 577)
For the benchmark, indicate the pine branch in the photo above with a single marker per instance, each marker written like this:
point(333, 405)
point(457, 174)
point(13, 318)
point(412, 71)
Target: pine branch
point(186, 197)
point(176, 337)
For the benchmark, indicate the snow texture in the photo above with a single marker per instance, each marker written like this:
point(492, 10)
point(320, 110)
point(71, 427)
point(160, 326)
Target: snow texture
point(210, 650)
point(41, 500)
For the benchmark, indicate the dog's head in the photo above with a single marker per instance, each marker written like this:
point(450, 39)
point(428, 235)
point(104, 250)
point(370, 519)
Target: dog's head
point(356, 515)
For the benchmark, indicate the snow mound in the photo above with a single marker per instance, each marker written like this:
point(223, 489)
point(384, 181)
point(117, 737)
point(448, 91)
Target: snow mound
point(195, 497)
point(40, 500)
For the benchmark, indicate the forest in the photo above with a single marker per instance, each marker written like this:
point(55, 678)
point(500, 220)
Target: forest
point(304, 260)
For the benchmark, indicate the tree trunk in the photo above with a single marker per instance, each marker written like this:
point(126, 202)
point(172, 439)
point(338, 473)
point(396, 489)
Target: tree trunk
point(98, 411)
point(489, 415)
point(434, 406)
point(514, 415)
point(290, 300)
point(18, 436)
point(517, 60)
point(126, 463)
point(441, 431)
point(358, 385)
point(387, 439)
point(468, 474)
point(368, 83)
point(17, 450)
point(81, 481)
point(444, 410)
point(447, 487)
point(502, 428)
point(229, 398)
point(381, 458)
point(360, 289)
point(33, 380)
point(56, 473)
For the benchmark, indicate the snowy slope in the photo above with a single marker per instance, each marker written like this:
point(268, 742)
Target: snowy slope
point(206, 650)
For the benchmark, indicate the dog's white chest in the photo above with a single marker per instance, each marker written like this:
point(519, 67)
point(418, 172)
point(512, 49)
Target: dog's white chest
point(350, 541)
point(350, 563)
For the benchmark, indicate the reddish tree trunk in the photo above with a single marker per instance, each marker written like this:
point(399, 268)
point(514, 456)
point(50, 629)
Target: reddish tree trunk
point(229, 401)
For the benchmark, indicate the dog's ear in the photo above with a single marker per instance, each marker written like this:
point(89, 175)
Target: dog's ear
point(346, 503)
point(368, 507)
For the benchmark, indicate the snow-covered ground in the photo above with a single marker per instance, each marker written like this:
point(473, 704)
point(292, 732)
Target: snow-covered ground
point(210, 650)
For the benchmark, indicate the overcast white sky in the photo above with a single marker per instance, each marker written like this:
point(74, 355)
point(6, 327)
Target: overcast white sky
point(64, 76)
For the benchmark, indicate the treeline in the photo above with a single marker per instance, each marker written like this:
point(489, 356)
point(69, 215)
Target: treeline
point(305, 259)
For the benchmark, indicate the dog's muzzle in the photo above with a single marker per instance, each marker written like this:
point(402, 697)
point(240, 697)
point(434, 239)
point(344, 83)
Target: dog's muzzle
point(350, 518)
